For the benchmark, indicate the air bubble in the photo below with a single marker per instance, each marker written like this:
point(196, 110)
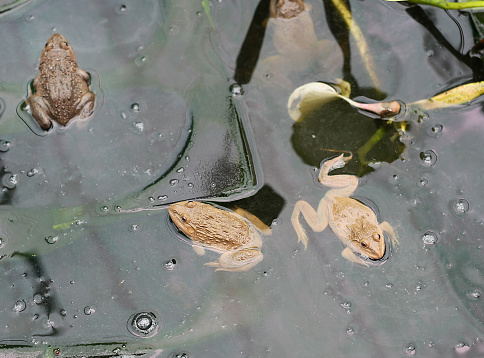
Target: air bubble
point(88, 310)
point(121, 10)
point(38, 298)
point(435, 131)
point(430, 53)
point(462, 347)
point(9, 180)
point(135, 107)
point(346, 304)
point(20, 306)
point(133, 227)
point(276, 222)
point(139, 126)
point(422, 117)
point(422, 182)
point(475, 294)
point(104, 209)
point(428, 158)
point(170, 264)
point(410, 349)
point(350, 331)
point(430, 238)
point(32, 172)
point(173, 182)
point(51, 239)
point(141, 60)
point(460, 207)
point(180, 355)
point(190, 185)
point(144, 324)
point(56, 351)
point(162, 197)
point(2, 243)
point(4, 145)
point(29, 18)
point(236, 89)
point(151, 199)
point(180, 170)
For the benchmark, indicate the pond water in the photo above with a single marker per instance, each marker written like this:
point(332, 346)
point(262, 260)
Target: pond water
point(192, 104)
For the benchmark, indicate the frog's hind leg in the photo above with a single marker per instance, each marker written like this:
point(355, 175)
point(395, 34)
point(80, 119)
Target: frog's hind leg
point(385, 226)
point(86, 105)
point(237, 261)
point(40, 111)
point(344, 185)
point(316, 220)
point(348, 254)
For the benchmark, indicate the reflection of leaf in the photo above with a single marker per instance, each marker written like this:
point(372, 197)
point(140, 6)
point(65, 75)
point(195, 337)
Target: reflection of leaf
point(446, 5)
point(206, 8)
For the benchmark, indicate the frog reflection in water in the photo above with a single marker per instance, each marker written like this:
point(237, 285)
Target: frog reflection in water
point(221, 231)
point(355, 224)
point(61, 89)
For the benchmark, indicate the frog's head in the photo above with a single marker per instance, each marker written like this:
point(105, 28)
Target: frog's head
point(286, 9)
point(57, 45)
point(369, 242)
point(181, 214)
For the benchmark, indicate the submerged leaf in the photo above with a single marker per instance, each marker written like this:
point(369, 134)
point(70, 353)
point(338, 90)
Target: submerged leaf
point(446, 5)
point(206, 8)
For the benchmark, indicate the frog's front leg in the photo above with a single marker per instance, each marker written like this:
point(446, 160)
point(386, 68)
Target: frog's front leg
point(317, 220)
point(40, 111)
point(348, 254)
point(385, 226)
point(344, 184)
point(237, 260)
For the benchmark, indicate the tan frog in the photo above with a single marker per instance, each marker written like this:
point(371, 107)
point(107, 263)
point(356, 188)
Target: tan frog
point(354, 223)
point(221, 231)
point(61, 89)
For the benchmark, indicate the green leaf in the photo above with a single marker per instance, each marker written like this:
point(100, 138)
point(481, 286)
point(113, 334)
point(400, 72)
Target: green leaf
point(206, 8)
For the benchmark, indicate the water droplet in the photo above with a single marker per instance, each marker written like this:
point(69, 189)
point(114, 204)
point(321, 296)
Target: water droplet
point(180, 355)
point(430, 238)
point(88, 310)
point(38, 298)
point(133, 227)
point(139, 126)
point(346, 304)
point(63, 312)
point(180, 170)
point(144, 324)
point(430, 53)
point(389, 285)
point(20, 305)
point(236, 89)
point(422, 182)
point(135, 107)
point(29, 18)
point(435, 131)
point(121, 10)
point(104, 209)
point(475, 294)
point(170, 264)
point(141, 60)
point(151, 199)
point(52, 239)
point(162, 197)
point(190, 185)
point(2, 243)
point(460, 207)
point(32, 172)
point(9, 180)
point(173, 182)
point(410, 349)
point(276, 222)
point(4, 145)
point(350, 331)
point(427, 158)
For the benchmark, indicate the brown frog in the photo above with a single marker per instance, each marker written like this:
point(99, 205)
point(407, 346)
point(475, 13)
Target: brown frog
point(219, 230)
point(61, 89)
point(354, 223)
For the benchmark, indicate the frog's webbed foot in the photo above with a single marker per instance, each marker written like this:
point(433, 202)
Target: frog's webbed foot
point(346, 184)
point(385, 226)
point(316, 220)
point(86, 105)
point(40, 111)
point(239, 260)
point(348, 254)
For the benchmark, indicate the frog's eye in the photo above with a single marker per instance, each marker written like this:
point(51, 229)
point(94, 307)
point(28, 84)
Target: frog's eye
point(364, 243)
point(49, 45)
point(376, 236)
point(185, 218)
point(64, 45)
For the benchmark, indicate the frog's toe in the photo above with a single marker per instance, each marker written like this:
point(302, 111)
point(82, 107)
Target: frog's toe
point(86, 105)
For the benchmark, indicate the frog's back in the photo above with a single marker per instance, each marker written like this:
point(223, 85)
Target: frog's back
point(219, 229)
